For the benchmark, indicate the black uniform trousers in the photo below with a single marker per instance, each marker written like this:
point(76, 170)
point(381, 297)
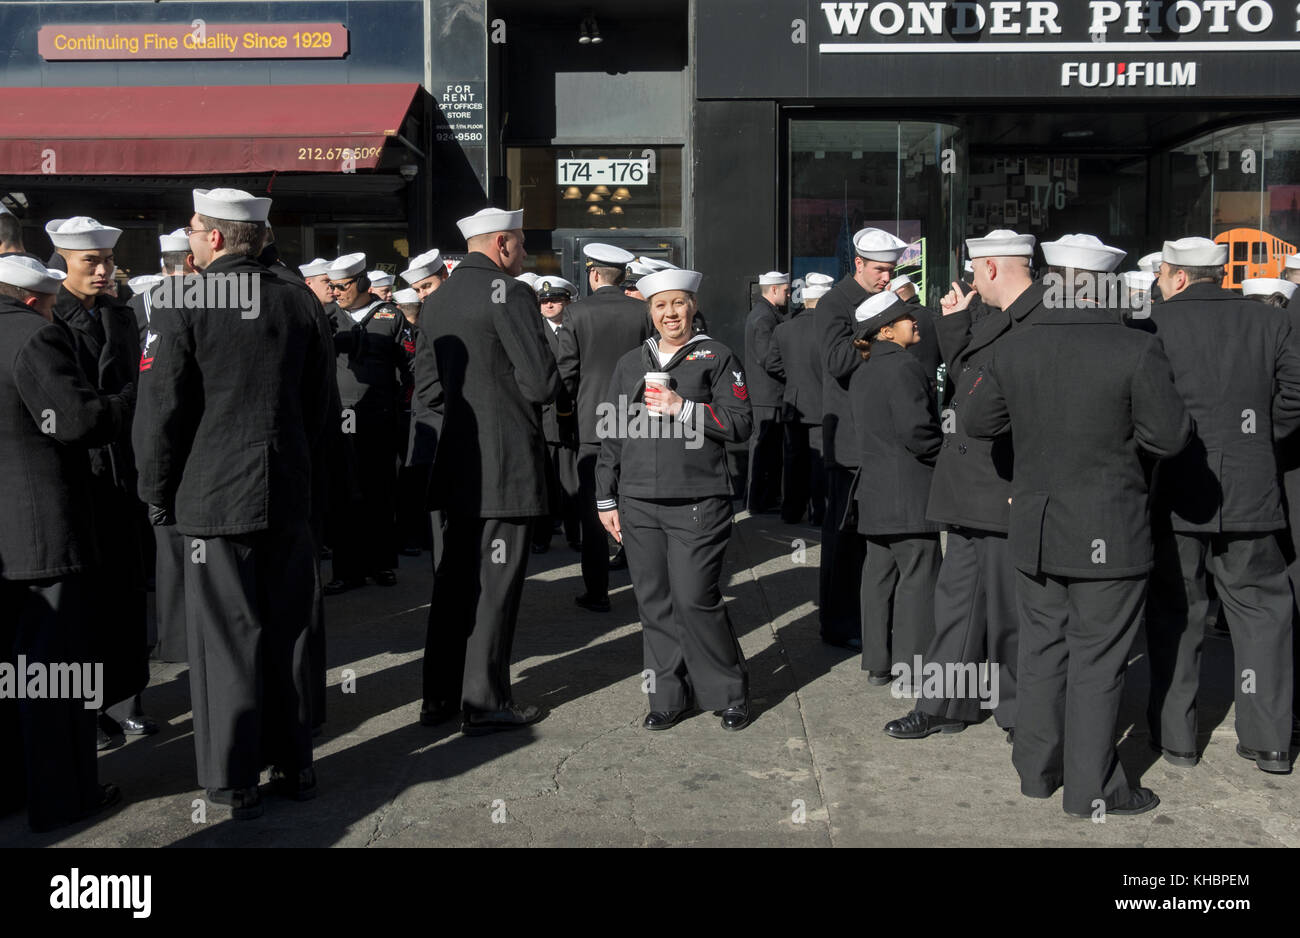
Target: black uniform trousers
point(561, 496)
point(1250, 578)
point(249, 605)
point(48, 744)
point(803, 477)
point(1075, 637)
point(366, 538)
point(840, 572)
point(675, 550)
point(763, 491)
point(115, 591)
point(976, 619)
point(897, 599)
point(170, 558)
point(474, 611)
point(595, 549)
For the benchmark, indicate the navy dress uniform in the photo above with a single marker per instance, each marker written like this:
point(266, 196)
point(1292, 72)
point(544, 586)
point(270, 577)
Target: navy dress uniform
point(897, 422)
point(371, 368)
point(598, 331)
point(49, 416)
point(976, 619)
point(663, 484)
point(560, 428)
point(843, 550)
point(1219, 509)
point(763, 491)
point(796, 359)
point(482, 365)
point(233, 401)
point(1079, 535)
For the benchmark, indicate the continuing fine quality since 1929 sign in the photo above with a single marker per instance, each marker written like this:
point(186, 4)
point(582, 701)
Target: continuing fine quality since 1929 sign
point(195, 40)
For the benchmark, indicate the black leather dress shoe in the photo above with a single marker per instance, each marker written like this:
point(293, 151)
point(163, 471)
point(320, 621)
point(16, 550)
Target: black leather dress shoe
point(619, 560)
point(1278, 763)
point(592, 604)
point(735, 718)
point(663, 719)
point(918, 725)
point(138, 726)
point(245, 803)
point(1011, 735)
point(102, 740)
point(514, 716)
point(1186, 760)
point(1140, 801)
point(300, 787)
point(384, 577)
point(880, 678)
point(334, 587)
point(439, 714)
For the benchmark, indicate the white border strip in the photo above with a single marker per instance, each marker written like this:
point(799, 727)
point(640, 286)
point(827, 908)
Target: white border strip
point(1082, 48)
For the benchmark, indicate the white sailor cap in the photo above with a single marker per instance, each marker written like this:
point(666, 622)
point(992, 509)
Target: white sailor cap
point(879, 309)
point(818, 280)
point(1138, 279)
point(81, 233)
point(4, 210)
point(773, 278)
point(637, 268)
point(553, 286)
point(528, 278)
point(814, 291)
point(489, 220)
point(1001, 242)
point(1267, 286)
point(655, 263)
point(423, 266)
point(231, 205)
point(1194, 252)
point(143, 282)
point(1082, 252)
point(349, 265)
point(968, 267)
point(380, 278)
point(675, 279)
point(902, 280)
point(315, 267)
point(19, 270)
point(607, 255)
point(404, 297)
point(1293, 262)
point(1150, 262)
point(875, 245)
point(178, 240)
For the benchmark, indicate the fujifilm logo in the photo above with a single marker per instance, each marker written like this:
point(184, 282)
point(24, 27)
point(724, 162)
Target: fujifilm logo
point(1128, 74)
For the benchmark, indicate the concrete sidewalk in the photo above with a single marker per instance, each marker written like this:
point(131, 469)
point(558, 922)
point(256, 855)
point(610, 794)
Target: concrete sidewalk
point(814, 769)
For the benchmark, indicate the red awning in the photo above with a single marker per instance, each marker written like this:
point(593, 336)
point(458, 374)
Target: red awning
point(178, 131)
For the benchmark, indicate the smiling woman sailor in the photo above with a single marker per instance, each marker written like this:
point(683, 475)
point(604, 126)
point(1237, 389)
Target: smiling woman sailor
point(662, 489)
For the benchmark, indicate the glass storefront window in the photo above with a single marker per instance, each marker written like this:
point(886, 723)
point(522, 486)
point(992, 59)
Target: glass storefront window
point(907, 178)
point(606, 188)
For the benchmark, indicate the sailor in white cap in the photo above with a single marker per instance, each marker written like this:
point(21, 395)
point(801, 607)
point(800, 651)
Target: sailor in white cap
point(598, 331)
point(1090, 404)
point(108, 346)
point(637, 268)
point(975, 613)
point(560, 428)
point(372, 365)
point(49, 417)
point(796, 360)
point(174, 260)
point(1221, 499)
point(425, 273)
point(1150, 262)
point(876, 255)
point(1271, 290)
point(412, 518)
point(1291, 268)
point(1139, 285)
point(11, 233)
point(1080, 273)
point(904, 287)
point(898, 439)
point(381, 283)
point(482, 366)
point(315, 273)
point(666, 494)
point(763, 484)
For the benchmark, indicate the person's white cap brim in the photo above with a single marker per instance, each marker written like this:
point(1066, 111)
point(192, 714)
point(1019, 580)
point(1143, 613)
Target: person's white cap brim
point(19, 270)
point(315, 267)
point(81, 233)
point(490, 221)
point(143, 282)
point(872, 244)
point(902, 280)
point(1267, 286)
point(349, 265)
point(1292, 262)
point(1150, 262)
point(554, 286)
point(773, 278)
point(1001, 242)
point(1194, 252)
point(818, 280)
point(814, 291)
point(423, 266)
point(403, 297)
point(676, 279)
point(1082, 252)
point(879, 309)
point(607, 255)
point(231, 205)
point(1138, 279)
point(176, 241)
point(380, 278)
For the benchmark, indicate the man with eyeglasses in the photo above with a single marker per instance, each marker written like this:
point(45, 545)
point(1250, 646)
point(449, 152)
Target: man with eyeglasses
point(371, 365)
point(107, 342)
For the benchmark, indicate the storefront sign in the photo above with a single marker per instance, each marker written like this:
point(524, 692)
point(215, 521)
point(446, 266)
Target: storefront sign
point(463, 106)
point(196, 40)
point(604, 172)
